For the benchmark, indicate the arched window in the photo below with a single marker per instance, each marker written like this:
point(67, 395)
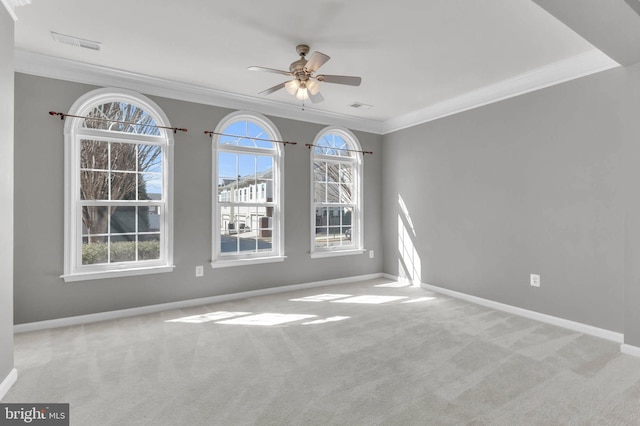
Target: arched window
point(336, 193)
point(118, 187)
point(247, 227)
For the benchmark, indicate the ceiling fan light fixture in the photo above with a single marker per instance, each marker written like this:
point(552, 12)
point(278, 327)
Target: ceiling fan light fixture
point(313, 87)
point(292, 86)
point(302, 94)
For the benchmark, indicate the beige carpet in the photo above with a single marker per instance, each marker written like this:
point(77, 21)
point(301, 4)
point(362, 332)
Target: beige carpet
point(366, 353)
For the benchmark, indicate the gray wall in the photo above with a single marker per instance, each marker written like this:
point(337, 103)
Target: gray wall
point(41, 295)
point(6, 193)
point(543, 183)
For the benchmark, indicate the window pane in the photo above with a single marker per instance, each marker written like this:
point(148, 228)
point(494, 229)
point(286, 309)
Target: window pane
point(95, 223)
point(246, 229)
point(149, 246)
point(346, 193)
point(333, 193)
point(333, 172)
point(126, 118)
point(123, 220)
point(320, 192)
point(247, 179)
point(124, 186)
point(94, 185)
point(319, 171)
point(94, 253)
point(150, 158)
point(94, 155)
point(332, 144)
point(123, 248)
point(245, 133)
point(123, 156)
point(346, 173)
point(150, 186)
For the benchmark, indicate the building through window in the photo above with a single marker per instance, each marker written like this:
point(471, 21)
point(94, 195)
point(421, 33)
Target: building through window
point(248, 197)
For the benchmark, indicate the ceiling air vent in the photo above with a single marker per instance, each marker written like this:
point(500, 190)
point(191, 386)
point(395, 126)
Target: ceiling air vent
point(360, 105)
point(75, 41)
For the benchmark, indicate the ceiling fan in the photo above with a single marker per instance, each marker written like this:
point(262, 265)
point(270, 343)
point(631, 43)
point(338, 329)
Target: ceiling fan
point(306, 85)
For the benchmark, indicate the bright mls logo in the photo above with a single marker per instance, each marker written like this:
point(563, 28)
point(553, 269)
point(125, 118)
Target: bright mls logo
point(34, 414)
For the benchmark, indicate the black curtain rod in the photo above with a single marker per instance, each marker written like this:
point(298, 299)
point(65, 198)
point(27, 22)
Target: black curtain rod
point(62, 116)
point(309, 145)
point(211, 133)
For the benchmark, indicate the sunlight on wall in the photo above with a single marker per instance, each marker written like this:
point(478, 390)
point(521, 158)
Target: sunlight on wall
point(409, 264)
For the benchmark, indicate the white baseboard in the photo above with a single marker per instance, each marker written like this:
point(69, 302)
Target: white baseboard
point(6, 384)
point(142, 310)
point(549, 319)
point(630, 350)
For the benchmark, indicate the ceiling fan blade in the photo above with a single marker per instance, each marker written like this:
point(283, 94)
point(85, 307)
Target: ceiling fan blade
point(273, 70)
point(317, 98)
point(316, 60)
point(340, 79)
point(275, 88)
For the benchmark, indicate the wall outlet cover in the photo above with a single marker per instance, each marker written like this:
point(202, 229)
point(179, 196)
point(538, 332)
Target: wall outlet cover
point(534, 280)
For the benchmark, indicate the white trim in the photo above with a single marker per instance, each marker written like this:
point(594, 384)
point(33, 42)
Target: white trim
point(277, 203)
point(247, 261)
point(143, 310)
point(630, 350)
point(357, 220)
point(581, 65)
point(73, 270)
point(80, 72)
point(11, 5)
point(97, 275)
point(537, 316)
point(335, 253)
point(8, 381)
point(549, 319)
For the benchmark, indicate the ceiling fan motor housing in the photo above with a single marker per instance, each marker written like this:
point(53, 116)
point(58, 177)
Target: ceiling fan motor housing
point(297, 68)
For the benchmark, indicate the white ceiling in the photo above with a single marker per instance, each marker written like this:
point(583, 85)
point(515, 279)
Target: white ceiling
point(418, 59)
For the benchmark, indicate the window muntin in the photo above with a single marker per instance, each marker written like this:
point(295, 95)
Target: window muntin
point(336, 192)
point(247, 210)
point(118, 181)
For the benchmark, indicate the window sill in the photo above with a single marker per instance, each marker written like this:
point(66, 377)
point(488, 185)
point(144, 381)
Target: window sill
point(250, 261)
point(334, 253)
point(97, 275)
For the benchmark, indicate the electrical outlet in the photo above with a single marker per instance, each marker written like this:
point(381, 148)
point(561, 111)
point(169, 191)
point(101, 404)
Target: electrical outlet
point(534, 280)
point(199, 271)
point(371, 254)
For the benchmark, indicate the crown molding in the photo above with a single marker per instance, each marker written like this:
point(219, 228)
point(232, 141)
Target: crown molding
point(568, 69)
point(80, 72)
point(587, 63)
point(11, 5)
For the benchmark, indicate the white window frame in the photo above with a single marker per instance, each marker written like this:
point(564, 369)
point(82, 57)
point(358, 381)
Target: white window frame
point(357, 238)
point(73, 133)
point(218, 259)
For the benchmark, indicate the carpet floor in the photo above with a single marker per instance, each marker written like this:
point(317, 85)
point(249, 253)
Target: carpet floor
point(366, 353)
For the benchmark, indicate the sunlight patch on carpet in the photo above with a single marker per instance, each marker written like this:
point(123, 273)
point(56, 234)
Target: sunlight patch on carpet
point(320, 298)
point(266, 319)
point(211, 316)
point(325, 320)
point(372, 300)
